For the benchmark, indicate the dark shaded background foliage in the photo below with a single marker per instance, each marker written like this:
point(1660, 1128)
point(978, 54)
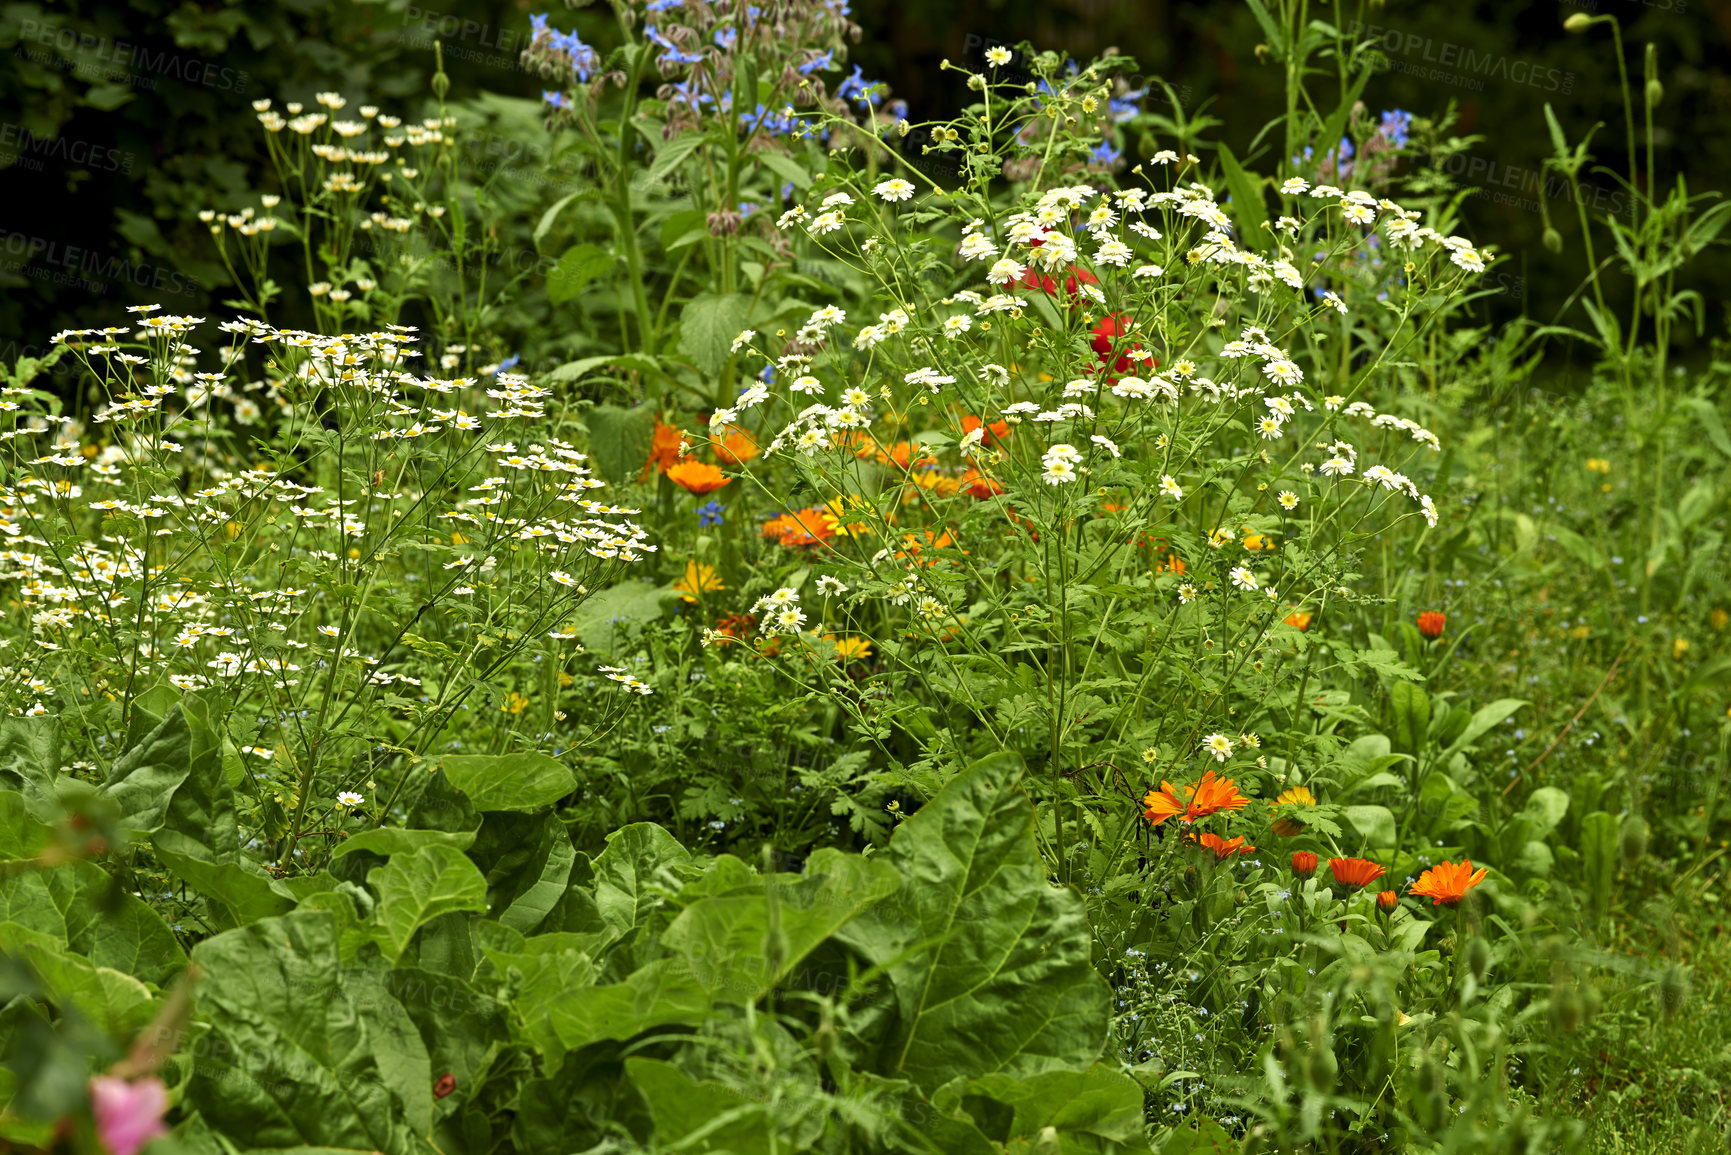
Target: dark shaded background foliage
point(119, 121)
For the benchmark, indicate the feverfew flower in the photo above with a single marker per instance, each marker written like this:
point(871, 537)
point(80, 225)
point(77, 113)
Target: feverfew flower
point(1218, 745)
point(894, 189)
point(1242, 578)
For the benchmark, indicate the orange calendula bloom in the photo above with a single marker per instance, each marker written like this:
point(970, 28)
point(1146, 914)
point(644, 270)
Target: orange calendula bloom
point(1225, 847)
point(664, 449)
point(698, 579)
point(1303, 863)
point(1447, 883)
point(802, 528)
point(917, 543)
point(1355, 872)
point(734, 446)
point(1208, 796)
point(1298, 620)
point(901, 455)
point(996, 431)
point(978, 485)
point(697, 477)
point(1431, 623)
point(1386, 900)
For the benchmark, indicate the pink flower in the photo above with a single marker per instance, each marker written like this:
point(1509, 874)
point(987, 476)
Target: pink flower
point(128, 1115)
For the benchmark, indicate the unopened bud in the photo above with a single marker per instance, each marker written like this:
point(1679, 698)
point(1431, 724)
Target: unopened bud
point(1655, 93)
point(1579, 22)
point(1553, 241)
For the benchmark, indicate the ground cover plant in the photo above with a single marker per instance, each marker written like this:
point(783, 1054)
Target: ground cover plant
point(1056, 628)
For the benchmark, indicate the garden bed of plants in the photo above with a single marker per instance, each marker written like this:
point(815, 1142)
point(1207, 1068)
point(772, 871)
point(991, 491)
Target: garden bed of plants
point(1059, 627)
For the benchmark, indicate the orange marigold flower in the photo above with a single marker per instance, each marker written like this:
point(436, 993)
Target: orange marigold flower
point(1298, 620)
point(978, 485)
point(916, 543)
point(804, 527)
point(1355, 872)
point(1225, 847)
point(901, 455)
point(995, 431)
point(1446, 884)
point(1431, 623)
point(697, 477)
point(664, 448)
point(735, 446)
point(1386, 900)
point(1303, 863)
point(1208, 796)
point(735, 625)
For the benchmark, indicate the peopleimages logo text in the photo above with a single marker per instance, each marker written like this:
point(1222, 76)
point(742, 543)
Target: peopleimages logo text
point(16, 141)
point(1446, 54)
point(123, 55)
point(40, 253)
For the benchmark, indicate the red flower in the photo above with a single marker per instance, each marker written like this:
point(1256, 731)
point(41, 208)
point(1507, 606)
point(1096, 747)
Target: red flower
point(1303, 863)
point(1224, 848)
point(1431, 623)
point(1355, 872)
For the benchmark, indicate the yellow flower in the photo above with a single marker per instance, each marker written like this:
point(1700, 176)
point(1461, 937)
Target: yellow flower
point(1718, 618)
point(850, 649)
point(698, 579)
point(847, 514)
point(1598, 465)
point(1679, 647)
point(515, 703)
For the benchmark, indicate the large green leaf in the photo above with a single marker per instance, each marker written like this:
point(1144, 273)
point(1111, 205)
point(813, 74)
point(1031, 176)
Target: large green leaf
point(303, 1053)
point(989, 962)
point(416, 888)
point(80, 906)
point(522, 781)
point(527, 861)
point(641, 865)
point(580, 265)
point(30, 761)
point(388, 840)
point(737, 945)
point(548, 969)
point(1096, 1109)
point(143, 780)
point(706, 1116)
point(462, 1029)
point(1483, 719)
point(199, 837)
point(21, 834)
point(114, 1001)
point(708, 327)
point(620, 440)
point(1248, 207)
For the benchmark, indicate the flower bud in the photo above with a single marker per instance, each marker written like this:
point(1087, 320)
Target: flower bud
point(1579, 22)
point(1632, 839)
point(1655, 93)
point(1387, 900)
point(1553, 240)
point(1303, 863)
